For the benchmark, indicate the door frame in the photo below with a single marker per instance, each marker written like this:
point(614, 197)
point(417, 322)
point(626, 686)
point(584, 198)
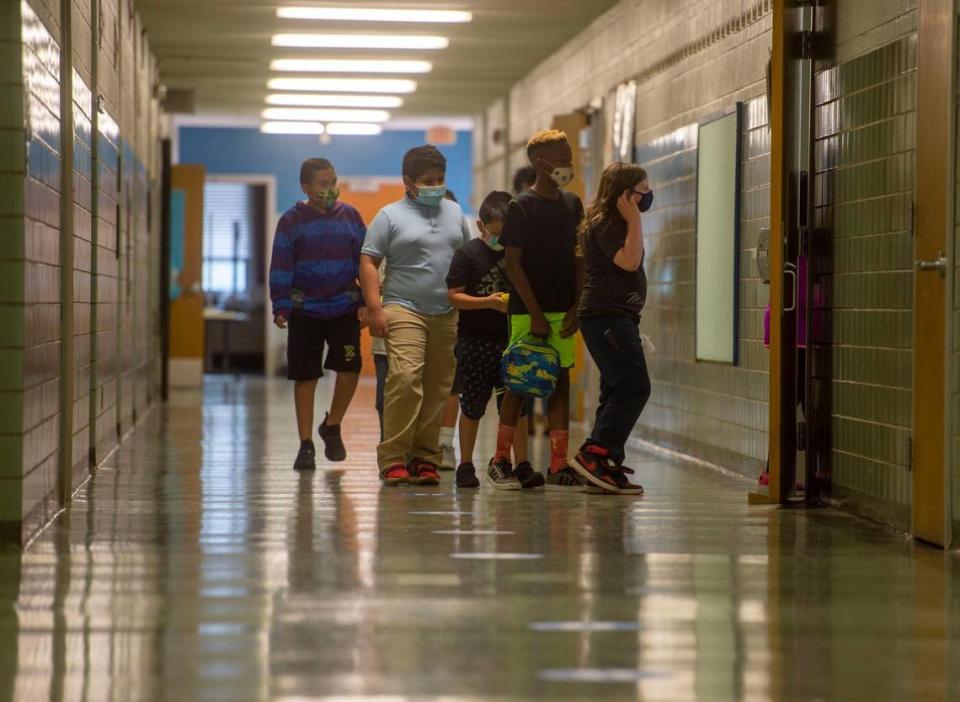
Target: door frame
point(781, 405)
point(272, 337)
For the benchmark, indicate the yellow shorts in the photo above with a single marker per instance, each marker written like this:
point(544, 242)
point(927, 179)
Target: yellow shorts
point(565, 347)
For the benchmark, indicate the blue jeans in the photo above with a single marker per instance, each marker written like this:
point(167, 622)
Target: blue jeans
point(614, 344)
point(381, 365)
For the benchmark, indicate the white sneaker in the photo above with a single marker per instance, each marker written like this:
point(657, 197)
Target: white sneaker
point(449, 460)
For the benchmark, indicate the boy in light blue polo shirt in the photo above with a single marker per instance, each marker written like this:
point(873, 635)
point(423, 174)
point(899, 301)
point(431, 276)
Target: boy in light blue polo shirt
point(417, 237)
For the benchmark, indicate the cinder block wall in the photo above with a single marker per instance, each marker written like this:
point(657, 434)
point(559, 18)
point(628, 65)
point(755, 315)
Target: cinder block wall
point(713, 411)
point(106, 284)
point(696, 58)
point(866, 126)
point(42, 411)
point(83, 194)
point(37, 466)
point(12, 252)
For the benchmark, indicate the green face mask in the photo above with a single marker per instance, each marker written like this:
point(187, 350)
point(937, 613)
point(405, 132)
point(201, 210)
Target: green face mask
point(327, 198)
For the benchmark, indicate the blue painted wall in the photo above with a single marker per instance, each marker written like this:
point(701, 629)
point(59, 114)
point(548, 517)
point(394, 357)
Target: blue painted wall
point(233, 151)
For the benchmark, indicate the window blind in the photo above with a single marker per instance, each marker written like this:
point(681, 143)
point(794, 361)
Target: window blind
point(227, 214)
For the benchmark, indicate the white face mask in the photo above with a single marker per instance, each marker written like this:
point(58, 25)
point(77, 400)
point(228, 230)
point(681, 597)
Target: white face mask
point(562, 175)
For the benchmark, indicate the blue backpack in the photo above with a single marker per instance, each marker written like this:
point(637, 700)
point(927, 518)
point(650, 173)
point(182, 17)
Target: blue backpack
point(530, 367)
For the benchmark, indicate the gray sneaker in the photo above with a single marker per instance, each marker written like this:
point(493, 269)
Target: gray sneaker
point(500, 474)
point(565, 479)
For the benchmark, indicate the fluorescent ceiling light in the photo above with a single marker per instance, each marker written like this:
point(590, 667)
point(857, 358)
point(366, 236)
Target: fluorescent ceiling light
point(291, 128)
point(348, 85)
point(325, 115)
point(321, 100)
point(360, 41)
point(343, 129)
point(351, 14)
point(350, 66)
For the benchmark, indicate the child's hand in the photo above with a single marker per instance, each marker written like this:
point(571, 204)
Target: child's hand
point(377, 321)
point(570, 323)
point(498, 302)
point(627, 207)
point(280, 320)
point(539, 326)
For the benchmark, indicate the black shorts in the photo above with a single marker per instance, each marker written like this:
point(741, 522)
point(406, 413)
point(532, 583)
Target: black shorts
point(306, 338)
point(478, 374)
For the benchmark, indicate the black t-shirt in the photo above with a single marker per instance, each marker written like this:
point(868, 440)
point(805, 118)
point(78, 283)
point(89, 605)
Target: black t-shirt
point(481, 271)
point(546, 231)
point(609, 289)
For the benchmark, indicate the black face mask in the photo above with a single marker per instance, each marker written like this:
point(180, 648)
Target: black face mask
point(646, 200)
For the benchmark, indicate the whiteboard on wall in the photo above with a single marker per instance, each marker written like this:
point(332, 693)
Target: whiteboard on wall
point(718, 208)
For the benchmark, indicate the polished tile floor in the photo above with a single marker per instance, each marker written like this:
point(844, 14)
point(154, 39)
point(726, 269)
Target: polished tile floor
point(198, 566)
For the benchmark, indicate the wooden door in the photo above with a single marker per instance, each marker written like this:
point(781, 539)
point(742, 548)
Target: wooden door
point(933, 223)
point(782, 405)
point(186, 295)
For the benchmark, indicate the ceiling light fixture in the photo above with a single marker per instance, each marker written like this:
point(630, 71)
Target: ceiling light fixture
point(350, 85)
point(350, 66)
point(360, 41)
point(352, 14)
point(321, 100)
point(302, 114)
point(343, 129)
point(292, 128)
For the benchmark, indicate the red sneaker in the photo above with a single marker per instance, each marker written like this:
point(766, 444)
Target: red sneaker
point(593, 464)
point(624, 486)
point(590, 464)
point(395, 474)
point(423, 472)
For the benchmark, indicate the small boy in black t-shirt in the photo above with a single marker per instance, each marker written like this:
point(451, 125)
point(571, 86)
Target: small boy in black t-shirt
point(478, 287)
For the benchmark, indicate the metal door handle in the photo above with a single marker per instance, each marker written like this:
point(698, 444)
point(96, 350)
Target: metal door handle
point(790, 269)
point(939, 264)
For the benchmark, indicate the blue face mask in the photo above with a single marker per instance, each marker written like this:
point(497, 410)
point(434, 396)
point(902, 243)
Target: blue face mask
point(431, 196)
point(494, 243)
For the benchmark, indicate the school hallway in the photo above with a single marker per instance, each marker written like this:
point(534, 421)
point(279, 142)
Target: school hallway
point(197, 565)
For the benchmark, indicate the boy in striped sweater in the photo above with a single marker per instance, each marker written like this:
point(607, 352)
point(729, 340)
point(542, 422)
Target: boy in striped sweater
point(315, 295)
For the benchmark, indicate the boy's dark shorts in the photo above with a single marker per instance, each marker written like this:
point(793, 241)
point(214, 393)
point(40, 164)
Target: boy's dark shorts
point(478, 374)
point(306, 338)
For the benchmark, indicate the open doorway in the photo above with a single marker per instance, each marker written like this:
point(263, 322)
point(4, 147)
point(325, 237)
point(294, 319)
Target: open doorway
point(238, 217)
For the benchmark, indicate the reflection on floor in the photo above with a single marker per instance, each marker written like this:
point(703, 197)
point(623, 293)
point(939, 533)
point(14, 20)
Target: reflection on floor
point(198, 566)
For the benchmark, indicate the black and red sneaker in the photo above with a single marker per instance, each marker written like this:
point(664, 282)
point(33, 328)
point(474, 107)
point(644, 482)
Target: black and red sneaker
point(423, 472)
point(624, 486)
point(593, 465)
point(395, 474)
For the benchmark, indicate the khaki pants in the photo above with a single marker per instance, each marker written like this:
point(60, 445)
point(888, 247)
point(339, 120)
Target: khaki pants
point(420, 354)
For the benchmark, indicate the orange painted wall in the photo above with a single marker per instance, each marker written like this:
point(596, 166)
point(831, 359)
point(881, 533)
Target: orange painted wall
point(368, 202)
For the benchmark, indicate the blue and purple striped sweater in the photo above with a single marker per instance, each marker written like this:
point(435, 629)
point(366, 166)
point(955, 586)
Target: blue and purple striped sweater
point(316, 260)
